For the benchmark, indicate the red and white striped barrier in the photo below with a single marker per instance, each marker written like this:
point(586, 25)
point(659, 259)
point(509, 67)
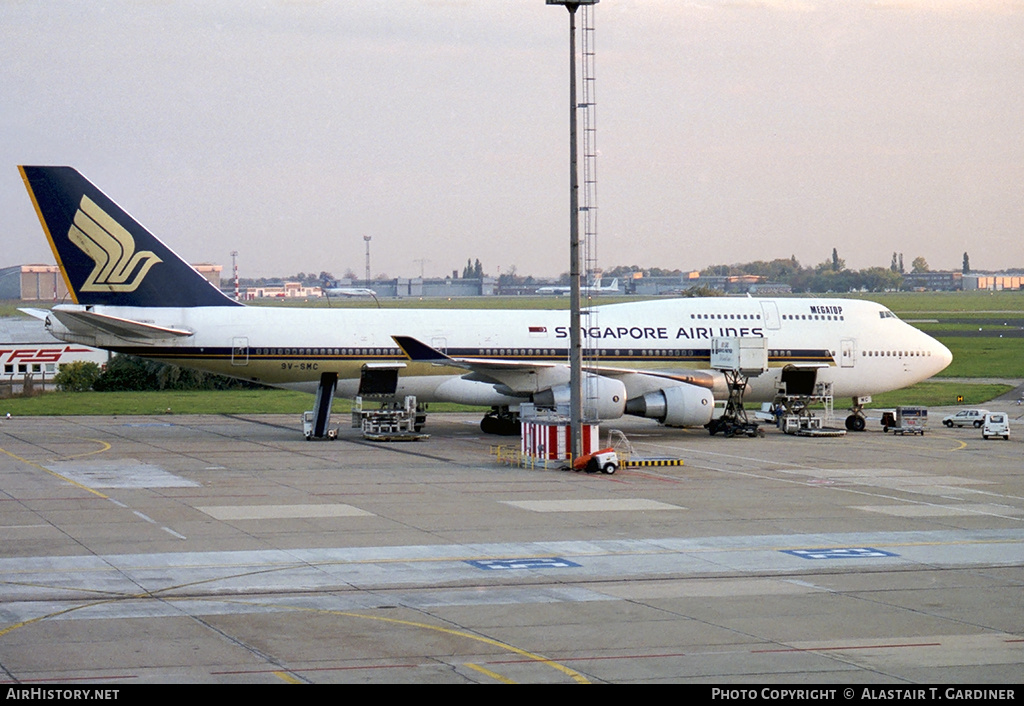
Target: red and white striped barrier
point(550, 439)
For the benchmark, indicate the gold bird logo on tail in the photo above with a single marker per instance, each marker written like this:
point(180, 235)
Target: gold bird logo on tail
point(111, 247)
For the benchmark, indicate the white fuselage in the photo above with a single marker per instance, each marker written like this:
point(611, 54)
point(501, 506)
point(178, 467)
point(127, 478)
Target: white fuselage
point(858, 346)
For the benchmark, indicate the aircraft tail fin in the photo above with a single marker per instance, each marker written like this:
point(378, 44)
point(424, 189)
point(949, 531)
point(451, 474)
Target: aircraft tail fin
point(105, 255)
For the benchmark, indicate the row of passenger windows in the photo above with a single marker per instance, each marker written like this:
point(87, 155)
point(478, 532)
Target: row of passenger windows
point(322, 352)
point(549, 353)
point(813, 317)
point(895, 354)
point(756, 317)
point(785, 317)
point(504, 352)
point(488, 352)
point(786, 354)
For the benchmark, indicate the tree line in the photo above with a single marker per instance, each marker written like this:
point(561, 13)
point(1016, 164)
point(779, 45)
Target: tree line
point(829, 275)
point(128, 373)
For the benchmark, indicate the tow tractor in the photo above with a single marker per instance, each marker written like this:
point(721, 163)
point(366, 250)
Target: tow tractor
point(605, 460)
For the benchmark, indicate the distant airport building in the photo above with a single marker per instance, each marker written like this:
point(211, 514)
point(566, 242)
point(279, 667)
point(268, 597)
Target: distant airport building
point(993, 282)
point(211, 273)
point(934, 281)
point(437, 287)
point(729, 284)
point(285, 290)
point(32, 283)
point(770, 289)
point(401, 288)
point(35, 283)
point(30, 357)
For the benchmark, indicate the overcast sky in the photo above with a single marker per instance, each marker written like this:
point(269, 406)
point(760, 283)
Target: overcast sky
point(728, 131)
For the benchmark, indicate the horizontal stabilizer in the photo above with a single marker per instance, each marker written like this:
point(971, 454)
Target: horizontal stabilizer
point(91, 323)
point(40, 314)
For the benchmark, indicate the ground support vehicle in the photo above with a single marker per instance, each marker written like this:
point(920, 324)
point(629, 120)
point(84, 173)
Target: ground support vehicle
point(392, 422)
point(905, 420)
point(996, 424)
point(605, 460)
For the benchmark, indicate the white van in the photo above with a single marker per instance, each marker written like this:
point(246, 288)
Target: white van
point(996, 424)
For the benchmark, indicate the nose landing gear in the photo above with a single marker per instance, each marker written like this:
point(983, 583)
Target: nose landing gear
point(856, 420)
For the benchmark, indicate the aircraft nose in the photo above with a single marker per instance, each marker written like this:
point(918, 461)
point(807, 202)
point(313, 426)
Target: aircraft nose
point(941, 355)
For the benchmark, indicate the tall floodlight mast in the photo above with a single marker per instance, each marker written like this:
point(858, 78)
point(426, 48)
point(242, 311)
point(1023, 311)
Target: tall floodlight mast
point(367, 239)
point(575, 334)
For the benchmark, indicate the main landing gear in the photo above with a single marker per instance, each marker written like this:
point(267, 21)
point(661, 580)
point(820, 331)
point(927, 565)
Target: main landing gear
point(500, 421)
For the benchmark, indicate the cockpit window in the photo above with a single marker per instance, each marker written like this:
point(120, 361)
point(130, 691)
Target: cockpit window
point(886, 314)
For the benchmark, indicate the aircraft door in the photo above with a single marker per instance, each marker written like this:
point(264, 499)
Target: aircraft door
point(799, 381)
point(379, 379)
point(771, 315)
point(439, 343)
point(847, 353)
point(240, 350)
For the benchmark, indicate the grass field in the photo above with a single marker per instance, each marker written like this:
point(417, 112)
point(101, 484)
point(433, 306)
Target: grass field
point(940, 394)
point(984, 357)
point(174, 402)
point(912, 305)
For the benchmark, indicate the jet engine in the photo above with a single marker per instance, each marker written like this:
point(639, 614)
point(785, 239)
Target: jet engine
point(608, 393)
point(679, 406)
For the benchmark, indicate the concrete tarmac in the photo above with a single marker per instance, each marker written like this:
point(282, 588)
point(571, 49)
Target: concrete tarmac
point(226, 549)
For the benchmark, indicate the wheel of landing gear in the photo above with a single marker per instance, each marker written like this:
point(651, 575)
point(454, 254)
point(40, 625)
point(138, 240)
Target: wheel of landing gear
point(499, 426)
point(855, 422)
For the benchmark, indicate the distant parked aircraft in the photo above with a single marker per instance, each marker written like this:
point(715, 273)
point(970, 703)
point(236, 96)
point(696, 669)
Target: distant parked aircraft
point(585, 289)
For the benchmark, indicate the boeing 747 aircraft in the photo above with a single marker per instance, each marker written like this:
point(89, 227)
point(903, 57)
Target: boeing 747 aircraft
point(131, 294)
point(349, 292)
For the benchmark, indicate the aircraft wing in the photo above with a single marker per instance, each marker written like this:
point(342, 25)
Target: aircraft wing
point(531, 376)
point(699, 378)
point(422, 353)
point(90, 323)
point(518, 376)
